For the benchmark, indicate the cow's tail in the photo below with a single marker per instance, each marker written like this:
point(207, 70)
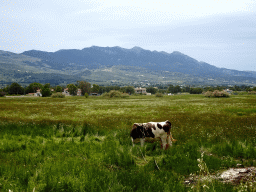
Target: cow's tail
point(172, 139)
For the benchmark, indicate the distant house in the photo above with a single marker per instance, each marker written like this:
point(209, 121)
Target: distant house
point(65, 92)
point(79, 92)
point(38, 93)
point(228, 91)
point(140, 90)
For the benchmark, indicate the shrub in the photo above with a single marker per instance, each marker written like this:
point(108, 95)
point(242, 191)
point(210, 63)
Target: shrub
point(159, 95)
point(216, 93)
point(115, 94)
point(86, 95)
point(58, 95)
point(252, 92)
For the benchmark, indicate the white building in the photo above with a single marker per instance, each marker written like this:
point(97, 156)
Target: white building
point(140, 90)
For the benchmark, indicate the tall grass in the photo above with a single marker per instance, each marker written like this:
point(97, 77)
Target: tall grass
point(83, 144)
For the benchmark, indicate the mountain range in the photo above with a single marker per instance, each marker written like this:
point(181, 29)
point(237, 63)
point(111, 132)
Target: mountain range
point(115, 66)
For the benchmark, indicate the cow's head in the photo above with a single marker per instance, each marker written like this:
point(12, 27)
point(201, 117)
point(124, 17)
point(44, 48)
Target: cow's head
point(167, 126)
point(168, 123)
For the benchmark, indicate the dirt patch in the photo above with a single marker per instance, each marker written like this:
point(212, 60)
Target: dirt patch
point(233, 176)
point(238, 175)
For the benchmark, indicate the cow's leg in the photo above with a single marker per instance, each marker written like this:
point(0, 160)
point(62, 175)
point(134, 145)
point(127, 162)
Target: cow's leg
point(132, 142)
point(163, 139)
point(142, 140)
point(169, 141)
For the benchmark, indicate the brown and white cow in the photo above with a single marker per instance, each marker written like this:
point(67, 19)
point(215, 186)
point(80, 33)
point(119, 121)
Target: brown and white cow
point(160, 130)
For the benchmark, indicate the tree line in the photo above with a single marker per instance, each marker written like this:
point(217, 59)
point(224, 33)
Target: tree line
point(46, 89)
point(86, 88)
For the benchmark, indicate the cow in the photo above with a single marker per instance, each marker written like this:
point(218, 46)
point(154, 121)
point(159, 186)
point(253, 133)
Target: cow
point(154, 130)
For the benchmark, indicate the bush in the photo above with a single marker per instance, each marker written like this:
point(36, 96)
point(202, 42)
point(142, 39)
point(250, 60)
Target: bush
point(86, 95)
point(58, 95)
point(115, 94)
point(252, 93)
point(159, 95)
point(216, 93)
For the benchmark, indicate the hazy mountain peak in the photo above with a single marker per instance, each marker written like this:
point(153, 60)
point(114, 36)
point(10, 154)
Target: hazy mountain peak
point(137, 49)
point(177, 53)
point(143, 62)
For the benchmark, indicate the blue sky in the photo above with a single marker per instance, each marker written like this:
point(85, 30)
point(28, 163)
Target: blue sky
point(219, 32)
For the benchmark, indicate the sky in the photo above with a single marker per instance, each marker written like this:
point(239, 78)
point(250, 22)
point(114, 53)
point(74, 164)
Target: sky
point(219, 32)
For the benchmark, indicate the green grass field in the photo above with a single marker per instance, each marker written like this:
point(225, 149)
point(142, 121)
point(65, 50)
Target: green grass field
point(83, 144)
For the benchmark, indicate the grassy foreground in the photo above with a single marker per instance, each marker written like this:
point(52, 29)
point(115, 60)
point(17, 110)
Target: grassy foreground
point(79, 144)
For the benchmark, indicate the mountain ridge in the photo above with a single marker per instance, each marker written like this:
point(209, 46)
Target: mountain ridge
point(137, 65)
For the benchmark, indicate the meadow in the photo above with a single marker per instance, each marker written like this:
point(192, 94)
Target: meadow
point(83, 144)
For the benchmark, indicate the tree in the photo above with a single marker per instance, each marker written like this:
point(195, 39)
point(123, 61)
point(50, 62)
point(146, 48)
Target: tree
point(72, 89)
point(236, 88)
point(208, 89)
point(151, 90)
point(196, 90)
point(162, 91)
point(171, 89)
point(95, 88)
point(6, 89)
point(33, 87)
point(47, 85)
point(186, 89)
point(46, 90)
point(15, 88)
point(176, 89)
point(102, 89)
point(109, 88)
point(128, 89)
point(58, 88)
point(84, 86)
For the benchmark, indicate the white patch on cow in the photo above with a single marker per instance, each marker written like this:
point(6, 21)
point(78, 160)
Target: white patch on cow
point(162, 134)
point(132, 142)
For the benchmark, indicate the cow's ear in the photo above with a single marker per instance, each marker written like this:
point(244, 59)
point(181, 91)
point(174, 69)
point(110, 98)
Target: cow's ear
point(159, 126)
point(168, 122)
